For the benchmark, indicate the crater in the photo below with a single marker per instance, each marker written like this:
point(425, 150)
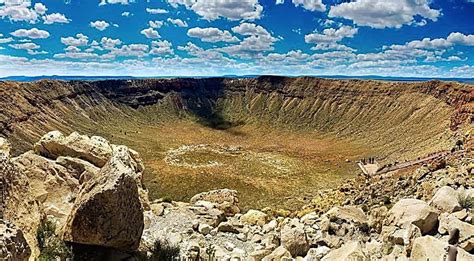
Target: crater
point(277, 141)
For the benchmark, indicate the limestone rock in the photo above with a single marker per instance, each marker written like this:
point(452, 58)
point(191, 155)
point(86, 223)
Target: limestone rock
point(278, 254)
point(5, 146)
point(347, 213)
point(258, 255)
point(225, 199)
point(430, 248)
point(413, 211)
point(446, 200)
point(81, 170)
point(108, 211)
point(293, 238)
point(448, 222)
point(13, 245)
point(254, 217)
point(95, 150)
point(315, 254)
point(351, 251)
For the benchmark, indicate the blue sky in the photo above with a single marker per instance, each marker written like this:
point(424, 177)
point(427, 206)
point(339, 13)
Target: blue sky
point(218, 37)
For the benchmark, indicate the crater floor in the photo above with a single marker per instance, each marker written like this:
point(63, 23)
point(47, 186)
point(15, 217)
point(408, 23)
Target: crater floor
point(268, 166)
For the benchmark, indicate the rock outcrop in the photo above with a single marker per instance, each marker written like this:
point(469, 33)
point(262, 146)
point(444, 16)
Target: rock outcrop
point(108, 211)
point(413, 211)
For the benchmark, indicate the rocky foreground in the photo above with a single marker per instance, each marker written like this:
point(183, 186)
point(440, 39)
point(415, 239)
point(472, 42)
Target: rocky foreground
point(77, 195)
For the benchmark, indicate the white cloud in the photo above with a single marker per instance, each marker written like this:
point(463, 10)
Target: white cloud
point(5, 40)
point(230, 9)
point(25, 46)
point(382, 14)
point(19, 10)
point(100, 25)
point(178, 22)
point(161, 48)
point(122, 2)
point(126, 14)
point(55, 18)
point(72, 49)
point(76, 55)
point(312, 5)
point(109, 43)
point(40, 8)
point(136, 50)
point(212, 35)
point(258, 40)
point(329, 38)
point(33, 33)
point(279, 2)
point(156, 11)
point(155, 24)
point(150, 33)
point(79, 40)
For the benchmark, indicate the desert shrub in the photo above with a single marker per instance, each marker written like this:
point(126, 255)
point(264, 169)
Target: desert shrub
point(211, 253)
point(50, 245)
point(167, 199)
point(163, 251)
point(466, 201)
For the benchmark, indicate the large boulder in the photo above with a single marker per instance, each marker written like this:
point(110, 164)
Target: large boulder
point(13, 245)
point(413, 211)
point(351, 251)
point(448, 222)
point(225, 199)
point(348, 214)
point(294, 238)
point(95, 150)
point(254, 217)
point(108, 211)
point(446, 200)
point(280, 253)
point(430, 248)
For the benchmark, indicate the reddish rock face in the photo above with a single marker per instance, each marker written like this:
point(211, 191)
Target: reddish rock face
point(69, 106)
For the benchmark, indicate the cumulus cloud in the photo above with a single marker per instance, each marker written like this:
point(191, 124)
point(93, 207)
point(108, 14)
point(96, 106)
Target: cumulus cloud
point(329, 38)
point(109, 43)
point(79, 40)
point(312, 5)
point(55, 18)
point(150, 33)
point(212, 35)
point(155, 24)
point(178, 22)
point(33, 33)
point(5, 40)
point(40, 8)
point(25, 46)
point(99, 25)
point(20, 10)
point(126, 14)
point(257, 41)
point(230, 9)
point(279, 2)
point(136, 50)
point(383, 14)
point(161, 48)
point(122, 2)
point(156, 11)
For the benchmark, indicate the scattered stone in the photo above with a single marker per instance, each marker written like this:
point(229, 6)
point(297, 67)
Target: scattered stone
point(315, 254)
point(204, 229)
point(430, 248)
point(413, 211)
point(5, 146)
point(446, 200)
point(225, 199)
point(293, 238)
point(448, 222)
point(348, 252)
point(254, 217)
point(278, 254)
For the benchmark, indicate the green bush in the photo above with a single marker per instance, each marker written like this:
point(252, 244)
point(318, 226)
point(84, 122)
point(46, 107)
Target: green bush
point(164, 251)
point(50, 245)
point(466, 201)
